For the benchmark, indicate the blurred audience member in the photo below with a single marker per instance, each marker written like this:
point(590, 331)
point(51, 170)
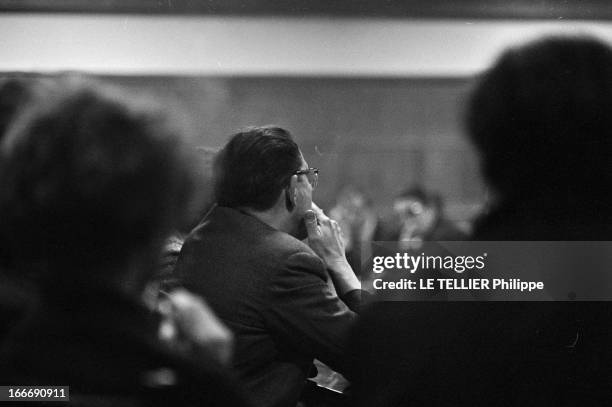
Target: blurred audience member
point(190, 325)
point(16, 291)
point(417, 217)
point(273, 290)
point(166, 279)
point(16, 93)
point(188, 320)
point(91, 185)
point(540, 118)
point(357, 219)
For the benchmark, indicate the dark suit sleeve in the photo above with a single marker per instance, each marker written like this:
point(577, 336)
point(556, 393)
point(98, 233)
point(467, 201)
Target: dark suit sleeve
point(307, 313)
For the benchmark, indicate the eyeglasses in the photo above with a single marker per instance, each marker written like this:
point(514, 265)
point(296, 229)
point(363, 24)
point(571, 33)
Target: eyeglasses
point(312, 174)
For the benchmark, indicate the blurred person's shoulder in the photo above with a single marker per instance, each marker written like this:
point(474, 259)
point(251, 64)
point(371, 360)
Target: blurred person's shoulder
point(110, 354)
point(16, 298)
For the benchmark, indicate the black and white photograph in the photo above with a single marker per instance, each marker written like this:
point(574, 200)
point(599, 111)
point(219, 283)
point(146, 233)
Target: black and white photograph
point(250, 203)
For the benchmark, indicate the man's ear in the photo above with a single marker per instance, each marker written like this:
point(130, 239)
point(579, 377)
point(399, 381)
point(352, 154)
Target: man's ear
point(291, 193)
point(288, 203)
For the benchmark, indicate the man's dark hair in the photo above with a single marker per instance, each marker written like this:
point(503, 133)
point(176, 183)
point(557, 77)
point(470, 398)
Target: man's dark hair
point(254, 167)
point(88, 180)
point(542, 120)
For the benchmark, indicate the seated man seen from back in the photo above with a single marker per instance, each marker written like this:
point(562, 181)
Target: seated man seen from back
point(271, 289)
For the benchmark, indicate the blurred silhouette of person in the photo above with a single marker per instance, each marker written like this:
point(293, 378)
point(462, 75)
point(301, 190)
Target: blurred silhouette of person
point(166, 277)
point(17, 93)
point(357, 219)
point(91, 185)
point(164, 291)
point(540, 119)
point(417, 217)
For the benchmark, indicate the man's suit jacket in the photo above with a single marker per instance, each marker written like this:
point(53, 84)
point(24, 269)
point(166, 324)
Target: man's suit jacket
point(274, 293)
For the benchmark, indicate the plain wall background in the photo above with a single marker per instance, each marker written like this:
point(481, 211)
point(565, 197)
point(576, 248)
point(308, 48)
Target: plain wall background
point(374, 102)
point(377, 134)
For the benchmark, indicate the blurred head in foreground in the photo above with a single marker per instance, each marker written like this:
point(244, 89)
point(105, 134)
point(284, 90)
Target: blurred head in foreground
point(540, 118)
point(16, 93)
point(418, 206)
point(91, 184)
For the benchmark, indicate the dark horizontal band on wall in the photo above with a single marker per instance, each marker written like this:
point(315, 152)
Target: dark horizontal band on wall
point(435, 9)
